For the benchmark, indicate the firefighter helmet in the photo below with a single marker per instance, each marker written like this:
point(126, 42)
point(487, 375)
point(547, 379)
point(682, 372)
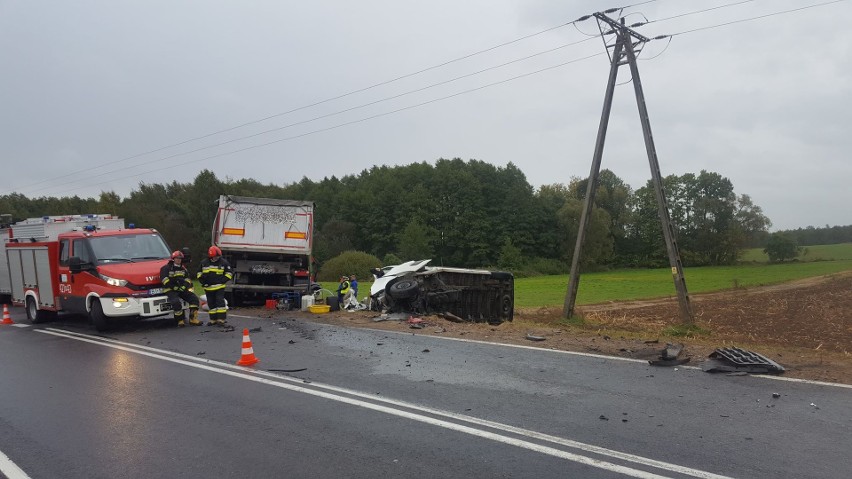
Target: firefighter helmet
point(214, 251)
point(177, 254)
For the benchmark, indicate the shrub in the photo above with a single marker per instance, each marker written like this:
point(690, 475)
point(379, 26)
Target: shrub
point(391, 259)
point(348, 263)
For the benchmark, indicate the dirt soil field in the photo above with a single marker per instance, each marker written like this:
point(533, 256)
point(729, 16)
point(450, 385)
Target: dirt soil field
point(806, 326)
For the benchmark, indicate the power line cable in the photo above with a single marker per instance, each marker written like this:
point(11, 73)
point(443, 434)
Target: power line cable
point(360, 90)
point(327, 100)
point(646, 22)
point(265, 132)
point(470, 90)
point(660, 37)
point(334, 127)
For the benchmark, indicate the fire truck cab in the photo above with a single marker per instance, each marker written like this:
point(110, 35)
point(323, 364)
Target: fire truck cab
point(84, 264)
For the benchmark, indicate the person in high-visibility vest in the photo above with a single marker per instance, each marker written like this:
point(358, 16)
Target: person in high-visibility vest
point(214, 273)
point(178, 286)
point(342, 289)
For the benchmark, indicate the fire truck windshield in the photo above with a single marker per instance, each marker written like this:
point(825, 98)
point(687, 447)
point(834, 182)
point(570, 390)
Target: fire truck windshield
point(128, 248)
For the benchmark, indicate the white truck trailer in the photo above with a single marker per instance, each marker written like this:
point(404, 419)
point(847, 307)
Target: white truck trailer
point(268, 243)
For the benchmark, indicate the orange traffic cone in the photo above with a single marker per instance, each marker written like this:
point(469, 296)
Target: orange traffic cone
point(248, 358)
point(7, 319)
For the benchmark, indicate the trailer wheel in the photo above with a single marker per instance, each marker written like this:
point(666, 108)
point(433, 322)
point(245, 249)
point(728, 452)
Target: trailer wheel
point(36, 315)
point(99, 320)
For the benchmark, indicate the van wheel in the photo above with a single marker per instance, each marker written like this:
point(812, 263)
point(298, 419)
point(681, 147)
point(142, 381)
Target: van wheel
point(507, 307)
point(36, 315)
point(402, 288)
point(99, 320)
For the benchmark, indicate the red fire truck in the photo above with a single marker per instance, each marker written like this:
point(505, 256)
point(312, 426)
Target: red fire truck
point(85, 264)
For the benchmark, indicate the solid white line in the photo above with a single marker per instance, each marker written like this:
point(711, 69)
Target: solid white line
point(602, 356)
point(10, 469)
point(459, 417)
point(805, 381)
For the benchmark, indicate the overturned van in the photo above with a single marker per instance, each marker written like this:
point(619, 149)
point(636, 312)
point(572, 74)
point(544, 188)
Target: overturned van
point(470, 294)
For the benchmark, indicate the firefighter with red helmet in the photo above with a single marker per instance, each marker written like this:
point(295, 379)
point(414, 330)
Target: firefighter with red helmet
point(178, 286)
point(214, 273)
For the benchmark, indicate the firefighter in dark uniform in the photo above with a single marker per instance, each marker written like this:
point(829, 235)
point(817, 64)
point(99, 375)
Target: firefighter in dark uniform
point(178, 286)
point(214, 273)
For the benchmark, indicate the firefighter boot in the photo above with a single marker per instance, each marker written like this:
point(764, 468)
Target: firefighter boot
point(179, 316)
point(193, 317)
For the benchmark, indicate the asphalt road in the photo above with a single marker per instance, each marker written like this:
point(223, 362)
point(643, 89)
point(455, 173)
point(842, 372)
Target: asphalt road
point(150, 400)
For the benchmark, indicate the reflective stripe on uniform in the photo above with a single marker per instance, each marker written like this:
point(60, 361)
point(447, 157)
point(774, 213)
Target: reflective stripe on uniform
point(214, 287)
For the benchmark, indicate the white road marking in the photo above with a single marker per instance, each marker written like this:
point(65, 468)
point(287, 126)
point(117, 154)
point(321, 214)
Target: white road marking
point(602, 356)
point(10, 469)
point(242, 372)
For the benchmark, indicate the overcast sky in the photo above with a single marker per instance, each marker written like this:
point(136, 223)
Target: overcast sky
point(86, 86)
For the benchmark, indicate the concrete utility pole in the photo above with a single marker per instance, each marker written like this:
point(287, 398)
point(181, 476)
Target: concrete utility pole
point(624, 51)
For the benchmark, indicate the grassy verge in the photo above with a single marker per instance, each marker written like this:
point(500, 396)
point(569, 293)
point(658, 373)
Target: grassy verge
point(624, 285)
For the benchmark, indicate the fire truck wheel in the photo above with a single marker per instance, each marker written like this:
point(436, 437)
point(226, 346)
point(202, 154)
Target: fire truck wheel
point(99, 320)
point(36, 315)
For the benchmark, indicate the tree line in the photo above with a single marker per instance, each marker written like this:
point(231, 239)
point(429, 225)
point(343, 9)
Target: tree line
point(459, 213)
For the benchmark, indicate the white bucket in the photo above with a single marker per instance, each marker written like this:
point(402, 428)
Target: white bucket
point(307, 302)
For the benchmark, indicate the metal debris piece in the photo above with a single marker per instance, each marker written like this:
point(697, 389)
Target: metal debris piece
point(391, 317)
point(256, 330)
point(740, 360)
point(535, 338)
point(669, 356)
point(450, 317)
point(416, 323)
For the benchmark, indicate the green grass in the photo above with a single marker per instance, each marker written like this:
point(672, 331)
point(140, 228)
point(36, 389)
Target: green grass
point(363, 288)
point(642, 284)
point(631, 284)
point(828, 252)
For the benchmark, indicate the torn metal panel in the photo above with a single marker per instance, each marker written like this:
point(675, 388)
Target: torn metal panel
point(740, 360)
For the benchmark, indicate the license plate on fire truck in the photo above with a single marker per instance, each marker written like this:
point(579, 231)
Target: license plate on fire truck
point(155, 291)
point(162, 304)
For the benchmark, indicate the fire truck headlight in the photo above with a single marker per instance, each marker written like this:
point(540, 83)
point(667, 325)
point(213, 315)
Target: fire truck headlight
point(113, 281)
point(120, 303)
